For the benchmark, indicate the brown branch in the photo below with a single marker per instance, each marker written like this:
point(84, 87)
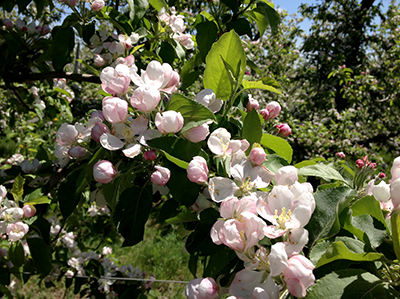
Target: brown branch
point(51, 75)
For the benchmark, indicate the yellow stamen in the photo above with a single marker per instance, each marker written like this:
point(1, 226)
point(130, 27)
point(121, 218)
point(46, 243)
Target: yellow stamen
point(283, 217)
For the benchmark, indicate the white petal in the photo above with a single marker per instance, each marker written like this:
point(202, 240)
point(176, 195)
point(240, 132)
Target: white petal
point(132, 150)
point(110, 142)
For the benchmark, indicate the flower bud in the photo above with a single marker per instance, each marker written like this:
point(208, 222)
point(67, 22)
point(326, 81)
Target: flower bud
point(264, 113)
point(381, 192)
point(160, 176)
point(8, 23)
point(283, 129)
point(252, 104)
point(76, 152)
point(286, 175)
point(98, 60)
point(197, 170)
point(145, 98)
point(169, 121)
point(104, 172)
point(97, 5)
point(274, 109)
point(395, 170)
point(359, 163)
point(150, 155)
point(45, 29)
point(202, 288)
point(98, 130)
point(197, 134)
point(257, 156)
point(115, 110)
point(340, 155)
point(29, 211)
point(395, 193)
point(3, 193)
point(382, 175)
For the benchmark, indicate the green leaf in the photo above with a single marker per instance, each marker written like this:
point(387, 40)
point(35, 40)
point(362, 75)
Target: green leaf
point(368, 205)
point(268, 11)
point(131, 213)
point(118, 19)
point(137, 10)
point(183, 217)
point(241, 26)
point(220, 263)
point(68, 195)
point(252, 130)
point(181, 188)
point(230, 48)
point(18, 188)
point(351, 284)
point(374, 230)
point(41, 255)
point(158, 4)
point(207, 34)
point(42, 226)
point(232, 4)
point(167, 52)
point(176, 161)
point(275, 162)
point(324, 222)
point(63, 45)
point(339, 251)
point(323, 171)
point(260, 19)
point(395, 223)
point(259, 85)
point(178, 148)
point(16, 254)
point(309, 162)
point(89, 67)
point(279, 145)
point(194, 113)
point(39, 201)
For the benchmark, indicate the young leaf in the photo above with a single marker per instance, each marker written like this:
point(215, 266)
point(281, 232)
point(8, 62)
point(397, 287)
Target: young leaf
point(41, 255)
point(323, 171)
point(252, 130)
point(207, 34)
point(279, 145)
point(18, 188)
point(259, 85)
point(229, 47)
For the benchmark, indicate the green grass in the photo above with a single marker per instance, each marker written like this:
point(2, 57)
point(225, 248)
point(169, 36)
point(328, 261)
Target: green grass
point(160, 253)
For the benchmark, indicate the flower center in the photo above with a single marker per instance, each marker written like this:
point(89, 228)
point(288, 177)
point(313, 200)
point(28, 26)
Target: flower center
point(247, 186)
point(128, 134)
point(283, 217)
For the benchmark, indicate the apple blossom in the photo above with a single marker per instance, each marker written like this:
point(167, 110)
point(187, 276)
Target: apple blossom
point(340, 155)
point(3, 193)
point(98, 60)
point(97, 5)
point(220, 143)
point(98, 130)
point(76, 152)
point(169, 121)
point(12, 214)
point(208, 98)
point(252, 104)
point(115, 110)
point(197, 170)
point(395, 170)
point(257, 156)
point(244, 283)
point(274, 109)
point(284, 130)
point(197, 134)
point(8, 23)
point(264, 113)
point(201, 204)
point(150, 155)
point(29, 210)
point(286, 175)
point(145, 98)
point(381, 192)
point(202, 288)
point(67, 134)
point(267, 290)
point(16, 231)
point(160, 176)
point(116, 80)
point(395, 193)
point(104, 172)
point(298, 275)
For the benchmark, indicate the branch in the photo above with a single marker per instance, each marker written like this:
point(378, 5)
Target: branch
point(51, 75)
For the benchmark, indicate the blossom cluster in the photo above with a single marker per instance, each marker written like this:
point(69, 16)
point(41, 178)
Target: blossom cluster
point(245, 210)
point(388, 195)
point(12, 217)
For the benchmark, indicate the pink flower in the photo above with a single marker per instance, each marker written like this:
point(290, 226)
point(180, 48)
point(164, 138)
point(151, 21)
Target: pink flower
point(115, 81)
point(97, 5)
point(395, 170)
point(257, 156)
point(76, 152)
point(284, 130)
point(29, 211)
point(286, 175)
point(298, 275)
point(359, 163)
point(197, 170)
point(98, 60)
point(115, 110)
point(340, 155)
point(169, 121)
point(197, 134)
point(8, 23)
point(264, 113)
point(16, 231)
point(98, 130)
point(252, 104)
point(145, 98)
point(274, 109)
point(160, 176)
point(202, 288)
point(104, 172)
point(67, 134)
point(208, 98)
point(395, 193)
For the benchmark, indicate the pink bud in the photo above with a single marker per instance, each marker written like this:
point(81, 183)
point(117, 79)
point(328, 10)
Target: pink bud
point(197, 134)
point(283, 130)
point(98, 60)
point(252, 104)
point(274, 109)
point(150, 155)
point(97, 5)
point(98, 114)
point(29, 211)
point(169, 121)
point(257, 156)
point(382, 175)
point(340, 155)
point(360, 163)
point(8, 23)
point(160, 176)
point(197, 170)
point(76, 152)
point(115, 110)
point(129, 60)
point(104, 172)
point(202, 288)
point(264, 113)
point(98, 130)
point(45, 29)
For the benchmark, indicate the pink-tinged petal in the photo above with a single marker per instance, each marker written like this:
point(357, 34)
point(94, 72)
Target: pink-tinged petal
point(267, 290)
point(230, 234)
point(298, 238)
point(221, 188)
point(286, 175)
point(228, 207)
point(261, 176)
point(273, 232)
point(278, 259)
point(132, 150)
point(247, 204)
point(218, 141)
point(244, 283)
point(139, 125)
point(240, 166)
point(298, 275)
point(215, 231)
point(148, 135)
point(110, 142)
